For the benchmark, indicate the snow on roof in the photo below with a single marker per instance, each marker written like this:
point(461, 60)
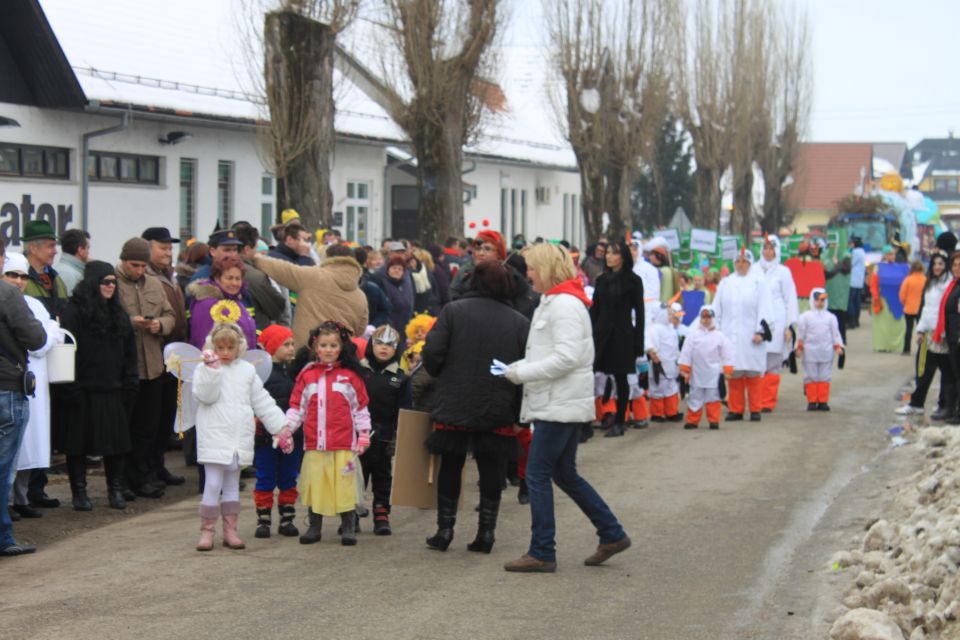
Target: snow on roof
point(194, 58)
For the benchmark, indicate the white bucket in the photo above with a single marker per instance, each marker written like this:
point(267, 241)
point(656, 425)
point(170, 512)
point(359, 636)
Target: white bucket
point(61, 361)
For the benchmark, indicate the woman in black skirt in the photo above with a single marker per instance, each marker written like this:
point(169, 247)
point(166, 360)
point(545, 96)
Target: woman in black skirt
point(475, 410)
point(93, 415)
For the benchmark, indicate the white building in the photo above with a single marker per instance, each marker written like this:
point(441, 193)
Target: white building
point(153, 92)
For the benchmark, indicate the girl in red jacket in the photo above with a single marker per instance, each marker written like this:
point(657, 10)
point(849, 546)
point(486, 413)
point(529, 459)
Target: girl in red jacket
point(330, 401)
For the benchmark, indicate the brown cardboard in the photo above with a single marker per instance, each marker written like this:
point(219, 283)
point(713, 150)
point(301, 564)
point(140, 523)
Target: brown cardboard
point(415, 469)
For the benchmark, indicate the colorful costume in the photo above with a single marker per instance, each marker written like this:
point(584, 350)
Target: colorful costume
point(889, 325)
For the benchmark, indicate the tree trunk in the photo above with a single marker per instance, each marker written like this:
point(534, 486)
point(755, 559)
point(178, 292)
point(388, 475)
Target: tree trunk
point(439, 153)
point(591, 186)
point(707, 214)
point(299, 74)
point(741, 220)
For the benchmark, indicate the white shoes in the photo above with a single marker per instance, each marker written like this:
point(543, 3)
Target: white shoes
point(907, 410)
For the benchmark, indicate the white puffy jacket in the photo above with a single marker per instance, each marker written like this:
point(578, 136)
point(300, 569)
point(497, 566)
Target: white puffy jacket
point(557, 372)
point(228, 399)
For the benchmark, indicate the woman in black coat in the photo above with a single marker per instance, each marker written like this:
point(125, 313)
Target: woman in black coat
point(475, 410)
point(93, 413)
point(948, 330)
point(617, 316)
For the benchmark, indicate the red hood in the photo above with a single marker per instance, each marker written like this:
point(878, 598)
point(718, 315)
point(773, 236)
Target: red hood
point(574, 288)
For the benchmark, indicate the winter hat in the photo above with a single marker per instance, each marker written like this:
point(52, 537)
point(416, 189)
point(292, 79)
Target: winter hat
point(38, 230)
point(136, 249)
point(16, 262)
point(947, 241)
point(288, 214)
point(273, 337)
point(96, 270)
point(494, 238)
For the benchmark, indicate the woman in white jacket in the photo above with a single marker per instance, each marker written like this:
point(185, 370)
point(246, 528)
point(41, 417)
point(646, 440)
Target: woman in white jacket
point(557, 379)
point(931, 355)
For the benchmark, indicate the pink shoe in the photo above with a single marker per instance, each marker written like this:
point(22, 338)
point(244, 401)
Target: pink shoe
point(230, 512)
point(208, 522)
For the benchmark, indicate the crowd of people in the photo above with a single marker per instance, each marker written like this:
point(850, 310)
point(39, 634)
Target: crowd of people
point(490, 341)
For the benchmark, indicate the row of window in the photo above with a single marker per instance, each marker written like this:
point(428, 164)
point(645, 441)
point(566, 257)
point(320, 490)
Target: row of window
point(31, 161)
point(225, 198)
point(945, 184)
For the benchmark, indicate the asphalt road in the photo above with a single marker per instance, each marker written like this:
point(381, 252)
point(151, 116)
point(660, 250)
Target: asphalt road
point(732, 531)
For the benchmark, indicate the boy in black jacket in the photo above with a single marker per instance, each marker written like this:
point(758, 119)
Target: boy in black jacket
point(275, 469)
point(388, 388)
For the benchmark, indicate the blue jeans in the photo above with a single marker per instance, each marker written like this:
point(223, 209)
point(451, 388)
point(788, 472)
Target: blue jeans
point(853, 307)
point(553, 455)
point(14, 412)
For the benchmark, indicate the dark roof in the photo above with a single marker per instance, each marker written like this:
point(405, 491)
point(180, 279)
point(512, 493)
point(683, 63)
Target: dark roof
point(943, 196)
point(33, 67)
point(944, 163)
point(931, 147)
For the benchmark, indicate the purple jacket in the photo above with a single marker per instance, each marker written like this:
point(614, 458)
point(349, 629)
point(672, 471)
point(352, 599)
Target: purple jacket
point(206, 296)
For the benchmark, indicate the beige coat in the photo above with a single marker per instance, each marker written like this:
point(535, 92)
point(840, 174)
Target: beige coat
point(328, 292)
point(146, 297)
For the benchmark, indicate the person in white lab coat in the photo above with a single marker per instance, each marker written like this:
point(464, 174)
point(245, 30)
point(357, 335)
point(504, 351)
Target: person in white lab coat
point(818, 337)
point(706, 355)
point(786, 310)
point(742, 305)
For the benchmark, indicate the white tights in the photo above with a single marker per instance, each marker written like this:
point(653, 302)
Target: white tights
point(221, 479)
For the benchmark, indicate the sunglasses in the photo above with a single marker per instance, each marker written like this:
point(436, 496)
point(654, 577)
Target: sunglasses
point(13, 275)
point(108, 282)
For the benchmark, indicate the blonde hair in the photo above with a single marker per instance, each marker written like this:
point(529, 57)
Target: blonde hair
point(552, 262)
point(226, 332)
point(424, 257)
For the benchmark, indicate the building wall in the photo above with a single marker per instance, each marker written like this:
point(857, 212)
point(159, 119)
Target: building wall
point(805, 219)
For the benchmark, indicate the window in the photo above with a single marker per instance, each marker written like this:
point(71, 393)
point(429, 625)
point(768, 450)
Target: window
point(523, 214)
point(34, 162)
point(945, 184)
point(566, 234)
point(188, 197)
point(513, 218)
point(224, 193)
point(103, 166)
point(357, 210)
point(504, 198)
point(267, 205)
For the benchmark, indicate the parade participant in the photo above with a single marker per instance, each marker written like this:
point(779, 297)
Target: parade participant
point(837, 273)
point(888, 322)
point(35, 445)
point(556, 374)
point(663, 349)
point(659, 252)
point(418, 327)
point(412, 357)
point(932, 355)
point(388, 389)
point(94, 416)
point(229, 395)
point(911, 297)
point(706, 355)
point(743, 314)
point(474, 411)
point(818, 336)
point(858, 275)
point(783, 305)
point(807, 270)
point(330, 402)
point(275, 468)
point(220, 300)
point(947, 333)
point(618, 318)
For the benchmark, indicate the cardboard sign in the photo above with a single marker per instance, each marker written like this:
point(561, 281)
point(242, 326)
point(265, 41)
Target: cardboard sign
point(728, 247)
point(671, 236)
point(415, 469)
point(703, 240)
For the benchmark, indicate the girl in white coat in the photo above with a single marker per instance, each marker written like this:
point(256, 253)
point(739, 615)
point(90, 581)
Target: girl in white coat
point(663, 350)
point(818, 337)
point(785, 309)
point(742, 306)
point(706, 355)
point(229, 394)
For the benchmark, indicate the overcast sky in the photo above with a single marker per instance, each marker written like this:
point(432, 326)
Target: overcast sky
point(884, 70)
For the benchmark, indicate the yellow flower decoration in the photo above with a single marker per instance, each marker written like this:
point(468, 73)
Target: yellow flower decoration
point(225, 311)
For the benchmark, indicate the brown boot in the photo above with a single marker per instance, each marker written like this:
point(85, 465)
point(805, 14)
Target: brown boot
point(230, 512)
point(604, 551)
point(528, 564)
point(208, 521)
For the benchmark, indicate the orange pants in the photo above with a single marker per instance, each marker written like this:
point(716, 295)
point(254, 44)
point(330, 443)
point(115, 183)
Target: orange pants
point(603, 408)
point(740, 389)
point(665, 407)
point(638, 409)
point(771, 387)
point(818, 392)
point(713, 414)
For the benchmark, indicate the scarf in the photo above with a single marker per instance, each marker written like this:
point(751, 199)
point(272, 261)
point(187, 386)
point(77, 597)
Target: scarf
point(940, 331)
point(421, 279)
point(572, 287)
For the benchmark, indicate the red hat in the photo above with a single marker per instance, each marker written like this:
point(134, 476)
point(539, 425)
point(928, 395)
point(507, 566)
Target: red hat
point(273, 337)
point(494, 238)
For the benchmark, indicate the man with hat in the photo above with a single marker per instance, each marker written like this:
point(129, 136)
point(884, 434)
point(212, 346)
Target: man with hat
point(153, 318)
point(222, 242)
point(160, 266)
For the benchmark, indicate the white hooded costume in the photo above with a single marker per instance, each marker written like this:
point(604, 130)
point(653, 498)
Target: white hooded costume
point(819, 332)
point(661, 337)
point(783, 305)
point(742, 305)
point(706, 352)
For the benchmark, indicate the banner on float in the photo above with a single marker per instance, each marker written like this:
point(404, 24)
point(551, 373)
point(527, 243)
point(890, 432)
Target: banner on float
point(728, 247)
point(672, 236)
point(703, 240)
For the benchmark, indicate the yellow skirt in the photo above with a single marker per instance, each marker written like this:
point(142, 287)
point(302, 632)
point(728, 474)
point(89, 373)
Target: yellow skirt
point(323, 485)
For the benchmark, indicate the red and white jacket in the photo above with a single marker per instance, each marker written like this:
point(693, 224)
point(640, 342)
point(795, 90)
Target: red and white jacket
point(331, 404)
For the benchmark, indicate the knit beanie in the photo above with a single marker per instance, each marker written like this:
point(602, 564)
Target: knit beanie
point(136, 249)
point(494, 238)
point(273, 337)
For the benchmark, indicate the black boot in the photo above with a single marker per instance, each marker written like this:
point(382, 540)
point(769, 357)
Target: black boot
point(381, 520)
point(113, 466)
point(446, 518)
point(287, 514)
point(77, 471)
point(348, 528)
point(487, 522)
point(263, 523)
point(615, 431)
point(313, 533)
point(586, 432)
point(523, 495)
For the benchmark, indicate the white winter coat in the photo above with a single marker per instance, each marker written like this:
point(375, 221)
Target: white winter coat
point(228, 399)
point(820, 332)
point(931, 311)
point(706, 352)
point(783, 302)
point(557, 370)
point(741, 303)
point(650, 276)
point(35, 449)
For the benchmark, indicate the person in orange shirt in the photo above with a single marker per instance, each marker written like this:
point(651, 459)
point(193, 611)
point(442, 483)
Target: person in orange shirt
point(911, 295)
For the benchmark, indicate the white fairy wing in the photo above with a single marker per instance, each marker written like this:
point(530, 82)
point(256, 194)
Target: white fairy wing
point(182, 359)
point(261, 361)
point(187, 409)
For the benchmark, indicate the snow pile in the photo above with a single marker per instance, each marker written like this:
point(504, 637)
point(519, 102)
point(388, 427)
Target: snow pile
point(907, 581)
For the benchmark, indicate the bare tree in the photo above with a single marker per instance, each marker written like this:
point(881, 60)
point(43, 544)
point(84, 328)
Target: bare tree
point(614, 63)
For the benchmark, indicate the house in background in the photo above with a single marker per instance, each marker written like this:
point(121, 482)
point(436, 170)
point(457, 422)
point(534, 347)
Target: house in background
point(826, 173)
point(936, 171)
